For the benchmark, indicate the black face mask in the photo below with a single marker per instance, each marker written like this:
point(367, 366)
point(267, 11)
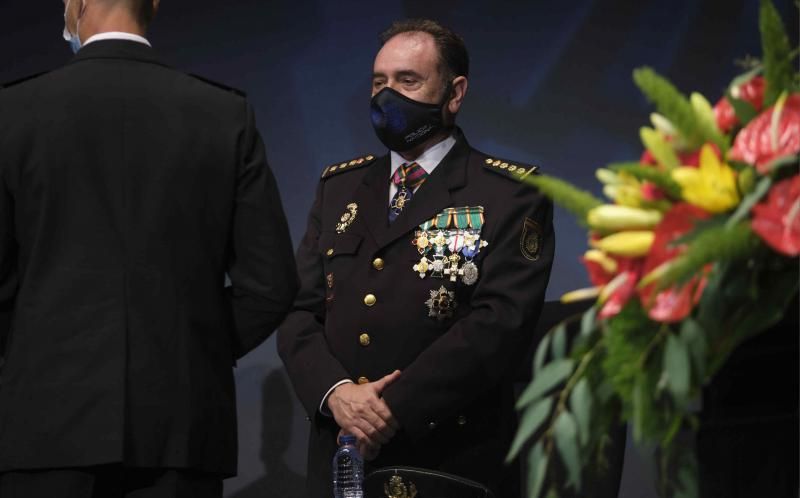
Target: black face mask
point(402, 123)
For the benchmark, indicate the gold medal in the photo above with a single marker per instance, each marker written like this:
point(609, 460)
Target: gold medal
point(422, 267)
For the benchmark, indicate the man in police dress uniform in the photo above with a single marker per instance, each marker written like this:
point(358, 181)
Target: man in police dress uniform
point(423, 273)
point(128, 190)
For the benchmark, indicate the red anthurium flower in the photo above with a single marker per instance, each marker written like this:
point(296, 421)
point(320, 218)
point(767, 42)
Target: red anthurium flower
point(777, 220)
point(623, 289)
point(751, 92)
point(759, 143)
point(675, 303)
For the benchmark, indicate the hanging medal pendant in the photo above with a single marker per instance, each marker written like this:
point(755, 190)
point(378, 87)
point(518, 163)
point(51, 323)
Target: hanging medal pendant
point(422, 242)
point(438, 266)
point(469, 273)
point(399, 202)
point(452, 270)
point(422, 267)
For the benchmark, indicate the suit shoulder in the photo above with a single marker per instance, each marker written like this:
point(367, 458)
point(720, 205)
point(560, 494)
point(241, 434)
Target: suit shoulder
point(514, 170)
point(26, 79)
point(349, 165)
point(221, 86)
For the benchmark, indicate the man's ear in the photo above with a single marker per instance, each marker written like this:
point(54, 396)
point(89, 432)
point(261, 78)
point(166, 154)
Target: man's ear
point(457, 94)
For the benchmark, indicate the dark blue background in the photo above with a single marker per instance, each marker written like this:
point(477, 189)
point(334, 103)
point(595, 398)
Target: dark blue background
point(550, 85)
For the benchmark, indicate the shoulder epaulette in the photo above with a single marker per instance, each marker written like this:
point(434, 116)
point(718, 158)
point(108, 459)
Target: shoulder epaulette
point(22, 80)
point(219, 85)
point(359, 162)
point(509, 169)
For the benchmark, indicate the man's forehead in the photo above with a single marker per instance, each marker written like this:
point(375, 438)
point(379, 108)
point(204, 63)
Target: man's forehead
point(413, 48)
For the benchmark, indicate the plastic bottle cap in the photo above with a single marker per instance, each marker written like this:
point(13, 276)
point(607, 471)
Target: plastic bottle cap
point(347, 440)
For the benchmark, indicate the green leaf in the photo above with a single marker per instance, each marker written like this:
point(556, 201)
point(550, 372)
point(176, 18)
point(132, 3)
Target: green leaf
point(672, 431)
point(778, 69)
point(707, 122)
point(548, 377)
point(659, 147)
point(687, 479)
point(537, 470)
point(560, 341)
point(530, 423)
point(749, 201)
point(744, 110)
point(588, 322)
point(565, 432)
point(541, 353)
point(693, 335)
point(677, 368)
point(580, 402)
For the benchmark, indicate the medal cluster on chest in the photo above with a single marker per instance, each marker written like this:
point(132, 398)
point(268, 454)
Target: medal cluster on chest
point(449, 243)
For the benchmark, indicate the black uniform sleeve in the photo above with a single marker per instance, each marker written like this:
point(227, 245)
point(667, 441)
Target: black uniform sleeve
point(478, 350)
point(301, 339)
point(261, 263)
point(8, 265)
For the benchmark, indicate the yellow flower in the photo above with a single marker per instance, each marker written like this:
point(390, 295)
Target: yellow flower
point(631, 244)
point(622, 188)
point(711, 186)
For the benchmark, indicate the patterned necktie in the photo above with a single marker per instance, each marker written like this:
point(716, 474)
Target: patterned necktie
point(407, 178)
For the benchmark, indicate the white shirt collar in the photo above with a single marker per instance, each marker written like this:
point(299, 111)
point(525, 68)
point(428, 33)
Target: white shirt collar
point(429, 159)
point(117, 35)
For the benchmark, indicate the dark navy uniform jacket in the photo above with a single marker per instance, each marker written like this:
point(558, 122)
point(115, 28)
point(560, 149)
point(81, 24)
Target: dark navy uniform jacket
point(361, 311)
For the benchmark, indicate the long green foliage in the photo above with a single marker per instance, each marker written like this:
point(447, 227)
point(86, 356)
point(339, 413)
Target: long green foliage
point(578, 202)
point(778, 70)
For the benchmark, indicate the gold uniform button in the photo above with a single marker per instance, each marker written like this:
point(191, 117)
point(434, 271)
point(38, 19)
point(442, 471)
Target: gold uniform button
point(370, 300)
point(329, 252)
point(431, 425)
point(461, 420)
point(363, 380)
point(378, 264)
point(364, 339)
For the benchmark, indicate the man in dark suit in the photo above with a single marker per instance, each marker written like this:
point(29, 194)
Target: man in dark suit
point(422, 273)
point(128, 190)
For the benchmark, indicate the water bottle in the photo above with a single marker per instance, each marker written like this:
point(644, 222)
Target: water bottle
point(348, 470)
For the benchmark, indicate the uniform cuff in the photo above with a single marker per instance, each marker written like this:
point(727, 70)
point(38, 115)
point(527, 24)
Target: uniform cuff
point(323, 406)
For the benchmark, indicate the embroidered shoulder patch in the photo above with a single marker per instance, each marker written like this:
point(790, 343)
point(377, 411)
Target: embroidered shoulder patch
point(530, 242)
point(358, 162)
point(509, 169)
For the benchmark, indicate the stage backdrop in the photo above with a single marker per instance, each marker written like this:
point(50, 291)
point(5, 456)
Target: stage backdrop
point(550, 85)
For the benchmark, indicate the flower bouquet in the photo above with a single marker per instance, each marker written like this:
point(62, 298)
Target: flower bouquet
point(696, 252)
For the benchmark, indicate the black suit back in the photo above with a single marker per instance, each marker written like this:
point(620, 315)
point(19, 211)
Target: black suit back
point(129, 189)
